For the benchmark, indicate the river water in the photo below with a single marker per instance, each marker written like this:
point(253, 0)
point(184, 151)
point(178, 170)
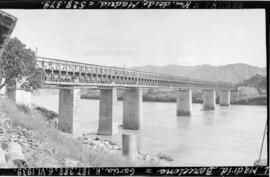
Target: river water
point(226, 136)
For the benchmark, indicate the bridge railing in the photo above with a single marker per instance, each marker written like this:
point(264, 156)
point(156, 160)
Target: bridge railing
point(61, 72)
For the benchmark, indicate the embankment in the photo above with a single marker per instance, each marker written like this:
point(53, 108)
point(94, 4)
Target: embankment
point(45, 146)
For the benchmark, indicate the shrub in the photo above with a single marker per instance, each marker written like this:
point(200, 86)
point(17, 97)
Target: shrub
point(47, 113)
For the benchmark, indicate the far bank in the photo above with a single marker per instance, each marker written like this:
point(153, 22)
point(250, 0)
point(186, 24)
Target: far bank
point(246, 96)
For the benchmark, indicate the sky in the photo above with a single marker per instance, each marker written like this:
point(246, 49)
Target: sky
point(145, 37)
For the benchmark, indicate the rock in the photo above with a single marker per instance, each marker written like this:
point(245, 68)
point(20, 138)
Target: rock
point(50, 151)
point(14, 156)
point(70, 163)
point(165, 157)
point(146, 157)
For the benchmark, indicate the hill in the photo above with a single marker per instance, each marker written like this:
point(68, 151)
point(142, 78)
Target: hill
point(233, 73)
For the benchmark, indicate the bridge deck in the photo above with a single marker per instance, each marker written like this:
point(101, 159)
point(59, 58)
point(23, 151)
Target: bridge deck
point(66, 73)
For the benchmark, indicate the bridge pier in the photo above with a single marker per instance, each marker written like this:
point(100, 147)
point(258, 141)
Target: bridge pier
point(19, 96)
point(132, 108)
point(224, 97)
point(184, 102)
point(233, 95)
point(209, 99)
point(130, 146)
point(68, 110)
point(107, 112)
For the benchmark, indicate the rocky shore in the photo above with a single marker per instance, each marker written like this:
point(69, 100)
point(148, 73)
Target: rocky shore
point(31, 146)
point(34, 148)
point(100, 145)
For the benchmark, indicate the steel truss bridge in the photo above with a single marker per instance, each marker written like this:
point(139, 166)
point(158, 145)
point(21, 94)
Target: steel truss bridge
point(67, 73)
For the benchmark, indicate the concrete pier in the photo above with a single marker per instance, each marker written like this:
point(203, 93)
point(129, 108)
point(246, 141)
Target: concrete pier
point(107, 112)
point(68, 110)
point(184, 102)
point(129, 146)
point(224, 98)
point(132, 108)
point(209, 99)
point(234, 95)
point(19, 96)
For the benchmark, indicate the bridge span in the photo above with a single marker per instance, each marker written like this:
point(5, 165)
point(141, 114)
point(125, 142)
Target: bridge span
point(61, 72)
point(69, 77)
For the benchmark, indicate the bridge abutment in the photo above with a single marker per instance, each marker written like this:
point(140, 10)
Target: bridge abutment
point(209, 99)
point(68, 110)
point(184, 102)
point(132, 108)
point(224, 98)
point(19, 96)
point(107, 112)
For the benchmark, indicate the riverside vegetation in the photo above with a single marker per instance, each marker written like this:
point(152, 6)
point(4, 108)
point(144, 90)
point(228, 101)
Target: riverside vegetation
point(45, 146)
point(251, 92)
point(247, 96)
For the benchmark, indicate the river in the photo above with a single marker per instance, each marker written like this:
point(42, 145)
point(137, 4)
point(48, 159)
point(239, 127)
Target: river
point(226, 136)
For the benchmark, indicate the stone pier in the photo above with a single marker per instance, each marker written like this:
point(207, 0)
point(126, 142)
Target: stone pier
point(68, 110)
point(209, 99)
point(132, 108)
point(184, 102)
point(19, 96)
point(129, 146)
point(224, 98)
point(107, 112)
point(234, 95)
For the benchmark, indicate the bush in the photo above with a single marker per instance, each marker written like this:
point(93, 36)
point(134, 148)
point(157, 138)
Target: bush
point(50, 115)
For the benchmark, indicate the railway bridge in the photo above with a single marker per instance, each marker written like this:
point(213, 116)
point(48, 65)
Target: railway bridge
point(69, 77)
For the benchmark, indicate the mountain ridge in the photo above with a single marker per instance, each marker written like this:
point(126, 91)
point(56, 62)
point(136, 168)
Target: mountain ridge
point(232, 73)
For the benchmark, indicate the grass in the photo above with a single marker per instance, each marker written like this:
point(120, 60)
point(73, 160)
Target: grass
point(65, 145)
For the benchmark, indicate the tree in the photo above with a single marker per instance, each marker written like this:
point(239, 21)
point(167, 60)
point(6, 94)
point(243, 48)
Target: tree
point(19, 65)
point(257, 81)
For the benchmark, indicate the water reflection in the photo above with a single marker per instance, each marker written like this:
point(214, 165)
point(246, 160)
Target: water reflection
point(209, 117)
point(183, 123)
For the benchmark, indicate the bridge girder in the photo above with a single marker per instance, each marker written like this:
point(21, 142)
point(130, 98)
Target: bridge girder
point(66, 73)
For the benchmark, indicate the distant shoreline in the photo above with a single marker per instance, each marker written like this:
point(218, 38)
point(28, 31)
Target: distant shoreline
point(256, 101)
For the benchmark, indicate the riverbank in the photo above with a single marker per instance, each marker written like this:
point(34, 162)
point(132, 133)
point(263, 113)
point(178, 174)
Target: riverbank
point(45, 146)
point(196, 98)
